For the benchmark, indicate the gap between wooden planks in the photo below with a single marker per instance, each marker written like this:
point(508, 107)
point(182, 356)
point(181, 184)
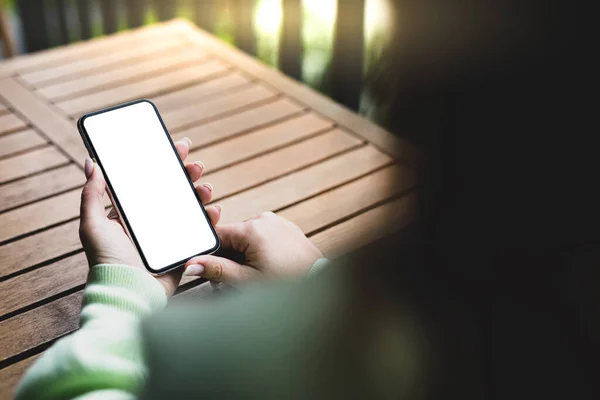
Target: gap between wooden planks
point(336, 240)
point(63, 207)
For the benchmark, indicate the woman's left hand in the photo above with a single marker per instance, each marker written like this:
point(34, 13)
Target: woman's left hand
point(103, 236)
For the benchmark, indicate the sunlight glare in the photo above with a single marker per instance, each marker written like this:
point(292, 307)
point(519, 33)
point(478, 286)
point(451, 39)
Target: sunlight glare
point(267, 17)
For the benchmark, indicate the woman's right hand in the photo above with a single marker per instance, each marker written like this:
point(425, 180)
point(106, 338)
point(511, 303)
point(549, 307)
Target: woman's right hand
point(273, 248)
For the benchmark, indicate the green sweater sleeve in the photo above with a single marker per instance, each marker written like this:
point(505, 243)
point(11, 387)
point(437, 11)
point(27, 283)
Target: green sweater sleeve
point(103, 359)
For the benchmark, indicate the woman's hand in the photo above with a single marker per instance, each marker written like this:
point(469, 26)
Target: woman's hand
point(104, 238)
point(273, 247)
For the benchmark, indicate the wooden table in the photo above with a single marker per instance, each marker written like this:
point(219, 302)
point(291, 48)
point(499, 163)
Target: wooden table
point(268, 143)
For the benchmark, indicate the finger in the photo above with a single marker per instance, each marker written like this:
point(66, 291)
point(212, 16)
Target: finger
point(233, 236)
point(214, 213)
point(194, 170)
point(183, 147)
point(92, 202)
point(205, 192)
point(220, 269)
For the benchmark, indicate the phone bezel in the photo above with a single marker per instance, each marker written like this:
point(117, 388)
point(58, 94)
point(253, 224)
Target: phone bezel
point(115, 198)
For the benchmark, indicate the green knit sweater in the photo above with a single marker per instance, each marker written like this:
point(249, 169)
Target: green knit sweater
point(107, 356)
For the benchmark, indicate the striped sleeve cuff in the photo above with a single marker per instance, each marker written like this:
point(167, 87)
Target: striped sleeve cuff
point(124, 288)
point(317, 267)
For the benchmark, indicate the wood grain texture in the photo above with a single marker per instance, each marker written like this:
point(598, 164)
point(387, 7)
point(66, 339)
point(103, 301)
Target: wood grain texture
point(205, 91)
point(88, 66)
point(31, 162)
point(86, 49)
point(256, 171)
point(333, 207)
point(301, 93)
point(302, 184)
point(337, 204)
point(366, 228)
point(33, 250)
point(270, 138)
point(41, 185)
point(11, 123)
point(45, 118)
point(10, 376)
point(33, 286)
point(156, 85)
point(40, 214)
point(147, 67)
point(227, 127)
point(20, 141)
point(193, 114)
point(54, 242)
point(39, 325)
point(261, 152)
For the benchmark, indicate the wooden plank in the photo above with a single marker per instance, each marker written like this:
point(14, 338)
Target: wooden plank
point(61, 131)
point(366, 228)
point(146, 67)
point(303, 94)
point(205, 91)
point(86, 66)
point(262, 169)
point(92, 48)
point(337, 204)
point(302, 184)
point(39, 325)
point(233, 125)
point(35, 249)
point(29, 163)
point(10, 376)
point(10, 123)
point(42, 283)
point(39, 214)
point(176, 120)
point(318, 215)
point(146, 88)
point(54, 242)
point(40, 186)
point(20, 141)
point(263, 140)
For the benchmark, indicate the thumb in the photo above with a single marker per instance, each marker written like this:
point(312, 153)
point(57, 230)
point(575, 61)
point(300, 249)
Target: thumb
point(92, 202)
point(220, 269)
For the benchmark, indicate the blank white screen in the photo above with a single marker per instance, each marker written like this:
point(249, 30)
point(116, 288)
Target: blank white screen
point(148, 181)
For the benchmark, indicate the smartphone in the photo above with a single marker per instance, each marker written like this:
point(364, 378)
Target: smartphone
point(148, 184)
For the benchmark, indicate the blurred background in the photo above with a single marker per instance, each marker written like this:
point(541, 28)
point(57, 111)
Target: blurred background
point(331, 45)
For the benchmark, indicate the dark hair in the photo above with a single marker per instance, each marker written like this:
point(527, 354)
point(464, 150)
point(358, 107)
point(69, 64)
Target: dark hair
point(504, 244)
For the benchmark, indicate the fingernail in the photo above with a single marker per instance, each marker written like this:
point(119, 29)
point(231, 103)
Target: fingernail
point(200, 164)
point(208, 186)
point(89, 167)
point(193, 270)
point(219, 207)
point(189, 142)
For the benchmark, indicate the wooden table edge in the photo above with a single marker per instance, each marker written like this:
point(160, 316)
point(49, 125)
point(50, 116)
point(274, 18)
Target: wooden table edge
point(344, 117)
